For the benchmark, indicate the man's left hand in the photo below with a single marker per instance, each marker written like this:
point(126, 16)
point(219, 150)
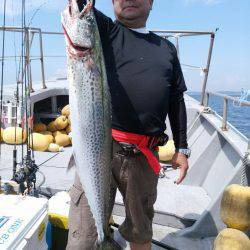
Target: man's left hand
point(180, 160)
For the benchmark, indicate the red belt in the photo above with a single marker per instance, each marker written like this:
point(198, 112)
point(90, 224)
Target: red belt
point(141, 141)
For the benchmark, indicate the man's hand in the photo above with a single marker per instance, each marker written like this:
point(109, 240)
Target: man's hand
point(180, 160)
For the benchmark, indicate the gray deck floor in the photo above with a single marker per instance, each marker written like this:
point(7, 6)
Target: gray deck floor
point(52, 165)
point(168, 236)
point(176, 205)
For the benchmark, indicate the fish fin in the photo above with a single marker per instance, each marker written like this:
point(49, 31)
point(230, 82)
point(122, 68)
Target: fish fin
point(71, 162)
point(109, 244)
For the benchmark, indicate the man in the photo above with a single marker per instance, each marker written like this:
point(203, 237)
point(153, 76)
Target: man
point(146, 84)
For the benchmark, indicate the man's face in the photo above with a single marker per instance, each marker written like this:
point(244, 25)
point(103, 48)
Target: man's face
point(132, 11)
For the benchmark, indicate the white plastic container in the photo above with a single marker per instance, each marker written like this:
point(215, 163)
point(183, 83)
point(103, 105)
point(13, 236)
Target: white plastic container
point(23, 222)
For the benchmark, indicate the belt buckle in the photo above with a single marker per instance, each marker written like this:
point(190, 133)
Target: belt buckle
point(129, 147)
point(126, 146)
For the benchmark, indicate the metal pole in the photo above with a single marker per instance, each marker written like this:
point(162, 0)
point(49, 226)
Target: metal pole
point(41, 58)
point(14, 163)
point(177, 46)
point(206, 70)
point(30, 39)
point(183, 31)
point(28, 59)
point(231, 98)
point(206, 99)
point(31, 83)
point(224, 121)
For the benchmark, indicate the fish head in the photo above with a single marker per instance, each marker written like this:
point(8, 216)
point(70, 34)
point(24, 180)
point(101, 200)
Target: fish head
point(79, 28)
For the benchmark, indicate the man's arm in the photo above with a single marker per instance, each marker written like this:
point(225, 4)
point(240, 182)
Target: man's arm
point(178, 121)
point(178, 118)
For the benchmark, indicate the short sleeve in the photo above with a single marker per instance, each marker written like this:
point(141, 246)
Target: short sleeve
point(178, 85)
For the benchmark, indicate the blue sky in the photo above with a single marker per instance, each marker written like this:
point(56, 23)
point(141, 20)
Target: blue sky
point(231, 55)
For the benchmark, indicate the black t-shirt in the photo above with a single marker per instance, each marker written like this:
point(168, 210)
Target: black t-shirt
point(144, 75)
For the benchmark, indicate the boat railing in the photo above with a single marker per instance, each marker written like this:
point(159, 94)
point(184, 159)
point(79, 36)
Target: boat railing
point(226, 99)
point(30, 32)
point(177, 34)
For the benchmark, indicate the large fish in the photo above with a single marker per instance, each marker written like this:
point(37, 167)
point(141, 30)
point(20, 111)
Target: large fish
point(90, 109)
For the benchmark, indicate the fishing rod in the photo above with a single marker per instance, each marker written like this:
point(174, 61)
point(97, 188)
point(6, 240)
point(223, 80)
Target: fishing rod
point(16, 95)
point(16, 98)
point(25, 176)
point(2, 72)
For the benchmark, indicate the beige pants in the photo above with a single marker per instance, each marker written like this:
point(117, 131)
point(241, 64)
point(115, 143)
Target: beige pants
point(137, 182)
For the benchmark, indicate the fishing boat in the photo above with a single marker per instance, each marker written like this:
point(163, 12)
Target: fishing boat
point(187, 216)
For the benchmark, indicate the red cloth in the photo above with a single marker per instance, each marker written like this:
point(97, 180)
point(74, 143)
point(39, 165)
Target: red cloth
point(141, 141)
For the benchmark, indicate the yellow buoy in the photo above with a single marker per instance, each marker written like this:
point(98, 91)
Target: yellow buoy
point(59, 132)
point(53, 147)
point(61, 122)
point(62, 140)
point(39, 127)
point(10, 133)
point(38, 142)
point(48, 135)
point(68, 129)
point(2, 134)
point(235, 207)
point(231, 239)
point(66, 110)
point(167, 151)
point(52, 126)
point(46, 132)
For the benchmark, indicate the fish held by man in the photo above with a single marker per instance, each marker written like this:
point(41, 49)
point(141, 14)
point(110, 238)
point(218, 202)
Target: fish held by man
point(90, 109)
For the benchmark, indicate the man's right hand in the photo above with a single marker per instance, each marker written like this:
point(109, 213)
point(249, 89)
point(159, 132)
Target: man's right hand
point(180, 160)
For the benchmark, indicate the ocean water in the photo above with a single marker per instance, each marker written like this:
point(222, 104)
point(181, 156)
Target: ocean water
point(239, 117)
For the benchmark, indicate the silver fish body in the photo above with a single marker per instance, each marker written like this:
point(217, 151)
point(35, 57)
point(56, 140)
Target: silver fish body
point(89, 100)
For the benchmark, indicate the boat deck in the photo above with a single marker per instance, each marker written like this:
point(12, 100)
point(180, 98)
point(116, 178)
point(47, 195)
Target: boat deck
point(169, 237)
point(187, 215)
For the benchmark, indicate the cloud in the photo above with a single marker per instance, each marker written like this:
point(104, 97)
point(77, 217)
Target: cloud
point(14, 7)
point(207, 2)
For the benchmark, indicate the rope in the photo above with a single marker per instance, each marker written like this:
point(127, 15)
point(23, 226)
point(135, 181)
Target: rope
point(48, 159)
point(206, 110)
point(245, 171)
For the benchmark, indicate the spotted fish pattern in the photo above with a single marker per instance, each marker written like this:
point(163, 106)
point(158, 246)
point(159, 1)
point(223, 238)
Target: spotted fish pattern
point(89, 100)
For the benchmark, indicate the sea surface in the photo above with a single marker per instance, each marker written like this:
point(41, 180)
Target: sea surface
point(239, 117)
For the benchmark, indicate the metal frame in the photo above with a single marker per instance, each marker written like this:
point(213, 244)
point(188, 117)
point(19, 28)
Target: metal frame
point(177, 34)
point(29, 35)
